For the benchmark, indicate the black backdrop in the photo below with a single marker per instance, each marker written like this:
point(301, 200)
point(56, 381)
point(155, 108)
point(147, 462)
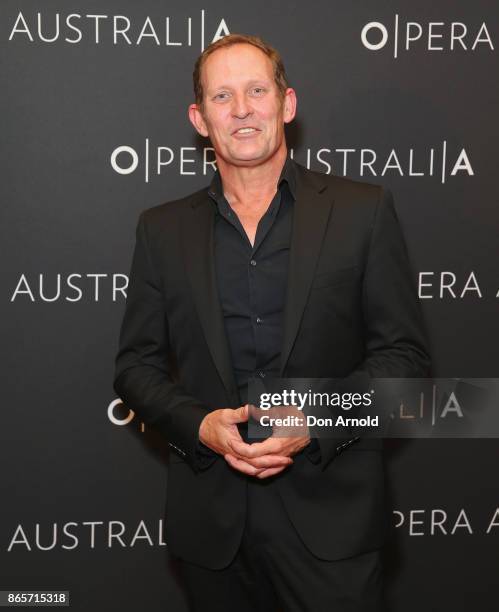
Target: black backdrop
point(94, 130)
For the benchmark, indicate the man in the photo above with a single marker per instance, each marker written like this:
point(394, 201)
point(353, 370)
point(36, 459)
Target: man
point(273, 270)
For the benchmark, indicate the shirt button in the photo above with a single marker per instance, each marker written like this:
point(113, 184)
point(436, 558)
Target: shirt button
point(258, 320)
point(253, 262)
point(261, 374)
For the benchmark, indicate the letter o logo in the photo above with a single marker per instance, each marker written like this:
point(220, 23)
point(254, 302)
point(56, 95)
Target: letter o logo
point(113, 419)
point(376, 25)
point(131, 167)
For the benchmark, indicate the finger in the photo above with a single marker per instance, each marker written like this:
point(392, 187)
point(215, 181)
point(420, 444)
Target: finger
point(241, 466)
point(241, 450)
point(271, 446)
point(255, 412)
point(240, 443)
point(238, 415)
point(270, 472)
point(240, 447)
point(268, 461)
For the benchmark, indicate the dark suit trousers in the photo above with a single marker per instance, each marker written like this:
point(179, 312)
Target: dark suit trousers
point(273, 571)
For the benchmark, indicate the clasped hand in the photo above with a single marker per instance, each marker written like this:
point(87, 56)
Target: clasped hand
point(219, 432)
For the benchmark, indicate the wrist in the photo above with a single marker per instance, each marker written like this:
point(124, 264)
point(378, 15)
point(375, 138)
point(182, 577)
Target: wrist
point(202, 429)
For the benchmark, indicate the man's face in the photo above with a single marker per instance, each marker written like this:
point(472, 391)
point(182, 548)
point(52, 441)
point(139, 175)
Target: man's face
point(243, 114)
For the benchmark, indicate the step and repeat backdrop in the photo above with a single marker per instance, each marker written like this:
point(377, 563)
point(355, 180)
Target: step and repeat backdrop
point(94, 130)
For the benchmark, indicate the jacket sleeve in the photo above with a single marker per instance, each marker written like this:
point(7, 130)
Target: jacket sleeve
point(142, 377)
point(396, 345)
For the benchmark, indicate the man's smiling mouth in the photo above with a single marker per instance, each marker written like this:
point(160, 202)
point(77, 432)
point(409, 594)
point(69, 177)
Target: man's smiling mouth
point(245, 130)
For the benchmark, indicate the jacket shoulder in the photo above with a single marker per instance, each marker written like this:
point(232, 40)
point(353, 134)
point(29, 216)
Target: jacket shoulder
point(342, 187)
point(170, 209)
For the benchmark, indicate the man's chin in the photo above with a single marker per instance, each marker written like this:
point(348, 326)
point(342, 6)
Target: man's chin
point(247, 158)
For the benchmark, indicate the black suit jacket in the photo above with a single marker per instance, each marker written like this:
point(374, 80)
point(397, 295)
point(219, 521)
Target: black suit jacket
point(352, 312)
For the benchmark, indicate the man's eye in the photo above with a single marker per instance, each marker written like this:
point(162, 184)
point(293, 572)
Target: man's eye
point(258, 90)
point(221, 96)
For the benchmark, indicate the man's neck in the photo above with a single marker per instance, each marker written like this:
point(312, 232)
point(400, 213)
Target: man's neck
point(248, 186)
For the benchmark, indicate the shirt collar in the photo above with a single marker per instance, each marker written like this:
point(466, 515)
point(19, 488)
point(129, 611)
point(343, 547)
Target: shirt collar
point(287, 175)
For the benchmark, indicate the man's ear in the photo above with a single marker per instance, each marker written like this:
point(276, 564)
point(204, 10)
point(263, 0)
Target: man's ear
point(289, 105)
point(197, 120)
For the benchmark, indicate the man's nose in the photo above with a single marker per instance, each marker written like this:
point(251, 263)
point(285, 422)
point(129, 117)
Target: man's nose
point(241, 107)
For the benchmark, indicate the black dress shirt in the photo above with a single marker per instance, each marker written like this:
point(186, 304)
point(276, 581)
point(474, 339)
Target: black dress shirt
point(252, 283)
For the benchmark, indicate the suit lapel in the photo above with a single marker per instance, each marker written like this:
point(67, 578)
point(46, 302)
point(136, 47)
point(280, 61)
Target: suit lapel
point(311, 213)
point(198, 247)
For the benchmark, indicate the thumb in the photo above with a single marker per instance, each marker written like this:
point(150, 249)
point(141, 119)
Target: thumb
point(240, 415)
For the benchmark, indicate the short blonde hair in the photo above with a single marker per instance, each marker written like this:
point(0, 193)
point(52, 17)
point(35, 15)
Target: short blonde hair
point(236, 39)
